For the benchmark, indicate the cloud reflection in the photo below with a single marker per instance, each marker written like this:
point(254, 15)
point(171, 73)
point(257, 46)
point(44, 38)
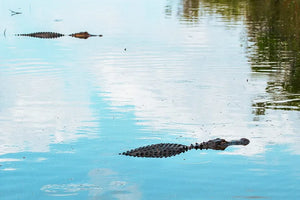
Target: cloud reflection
point(39, 110)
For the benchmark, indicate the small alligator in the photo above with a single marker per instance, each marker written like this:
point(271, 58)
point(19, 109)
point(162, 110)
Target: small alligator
point(169, 149)
point(52, 35)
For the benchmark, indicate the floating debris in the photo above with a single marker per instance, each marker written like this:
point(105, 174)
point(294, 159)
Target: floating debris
point(14, 12)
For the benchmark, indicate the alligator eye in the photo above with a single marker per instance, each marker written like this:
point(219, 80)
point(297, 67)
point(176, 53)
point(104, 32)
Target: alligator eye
point(218, 142)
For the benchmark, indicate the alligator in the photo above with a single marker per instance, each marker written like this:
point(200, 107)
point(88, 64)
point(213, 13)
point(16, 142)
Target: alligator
point(170, 149)
point(52, 35)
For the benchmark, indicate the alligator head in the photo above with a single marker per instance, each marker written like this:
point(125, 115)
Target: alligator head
point(221, 144)
point(83, 35)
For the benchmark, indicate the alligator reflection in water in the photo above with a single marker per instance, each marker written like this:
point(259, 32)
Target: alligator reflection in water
point(52, 35)
point(169, 149)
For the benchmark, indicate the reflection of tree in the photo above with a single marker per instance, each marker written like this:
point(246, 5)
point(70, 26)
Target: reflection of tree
point(192, 10)
point(273, 30)
point(231, 10)
point(188, 10)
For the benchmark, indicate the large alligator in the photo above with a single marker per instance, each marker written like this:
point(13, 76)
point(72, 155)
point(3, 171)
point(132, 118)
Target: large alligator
point(169, 149)
point(52, 35)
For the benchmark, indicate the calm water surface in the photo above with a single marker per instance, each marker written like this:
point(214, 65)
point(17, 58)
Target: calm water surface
point(181, 71)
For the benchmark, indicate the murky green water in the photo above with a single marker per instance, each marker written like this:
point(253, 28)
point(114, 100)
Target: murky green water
point(180, 71)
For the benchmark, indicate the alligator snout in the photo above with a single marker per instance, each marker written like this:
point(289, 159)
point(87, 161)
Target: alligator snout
point(245, 141)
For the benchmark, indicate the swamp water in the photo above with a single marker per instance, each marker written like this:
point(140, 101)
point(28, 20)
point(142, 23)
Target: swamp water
point(181, 71)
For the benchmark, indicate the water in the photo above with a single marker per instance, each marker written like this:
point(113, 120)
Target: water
point(164, 71)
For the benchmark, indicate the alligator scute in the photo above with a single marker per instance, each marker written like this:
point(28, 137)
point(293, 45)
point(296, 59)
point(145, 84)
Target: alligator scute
point(44, 35)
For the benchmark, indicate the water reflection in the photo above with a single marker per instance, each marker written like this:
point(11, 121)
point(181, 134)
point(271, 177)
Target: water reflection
point(190, 10)
point(272, 42)
point(273, 29)
point(36, 111)
point(194, 10)
point(183, 78)
point(176, 89)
